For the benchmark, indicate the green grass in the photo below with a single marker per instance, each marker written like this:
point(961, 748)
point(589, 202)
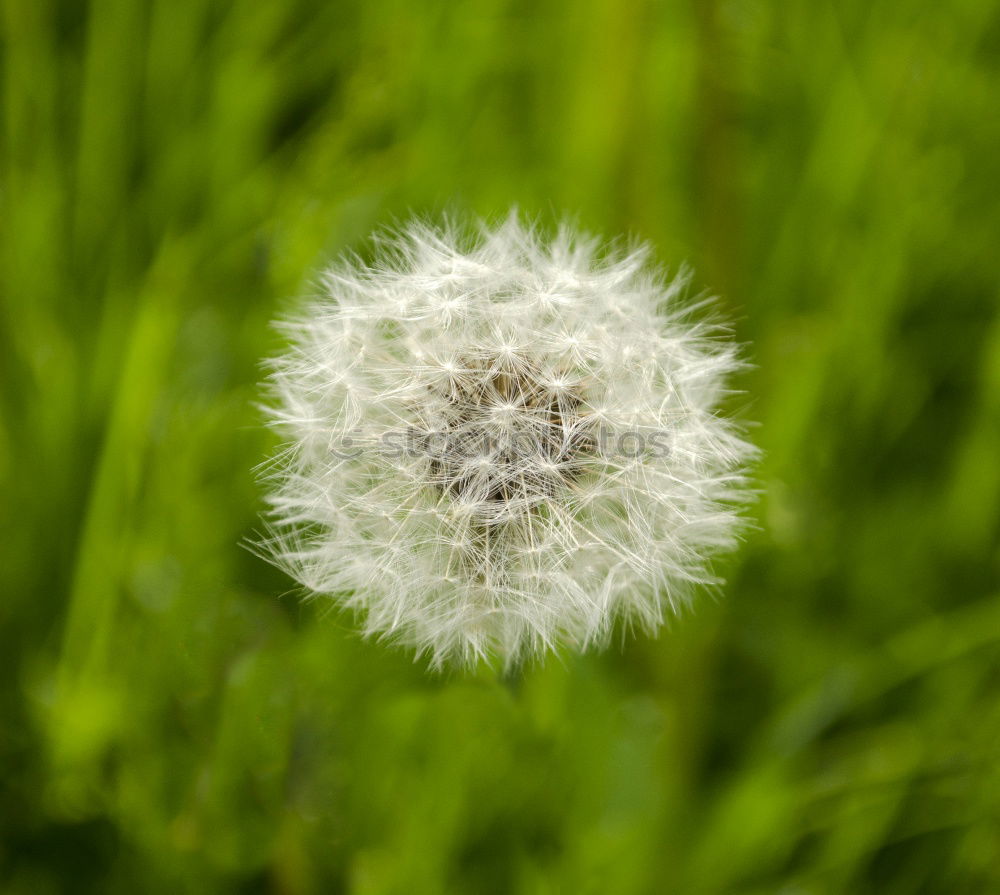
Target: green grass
point(173, 719)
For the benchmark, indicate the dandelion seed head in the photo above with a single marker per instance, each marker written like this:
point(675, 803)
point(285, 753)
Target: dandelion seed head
point(503, 444)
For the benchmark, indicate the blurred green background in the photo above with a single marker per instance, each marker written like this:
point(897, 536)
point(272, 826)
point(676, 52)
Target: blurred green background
point(173, 719)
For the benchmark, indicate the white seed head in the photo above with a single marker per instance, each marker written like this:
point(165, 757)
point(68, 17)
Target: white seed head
point(500, 444)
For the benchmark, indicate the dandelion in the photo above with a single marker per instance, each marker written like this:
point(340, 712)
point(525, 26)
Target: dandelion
point(504, 444)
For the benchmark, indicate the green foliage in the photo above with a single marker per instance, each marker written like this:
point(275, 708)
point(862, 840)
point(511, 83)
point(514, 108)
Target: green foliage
point(172, 718)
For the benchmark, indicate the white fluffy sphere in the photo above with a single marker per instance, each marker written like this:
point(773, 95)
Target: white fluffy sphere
point(500, 444)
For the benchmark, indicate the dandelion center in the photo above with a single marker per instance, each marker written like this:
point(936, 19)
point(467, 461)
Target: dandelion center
point(501, 430)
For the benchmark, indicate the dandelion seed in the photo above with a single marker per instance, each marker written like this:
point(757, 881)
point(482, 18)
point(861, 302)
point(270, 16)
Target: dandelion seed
point(502, 445)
